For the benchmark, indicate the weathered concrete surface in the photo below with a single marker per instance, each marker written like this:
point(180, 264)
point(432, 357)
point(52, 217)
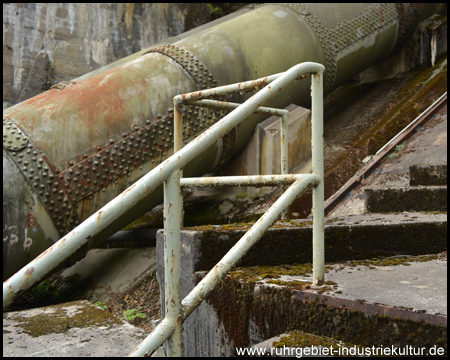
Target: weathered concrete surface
point(423, 198)
point(242, 313)
point(428, 145)
point(349, 238)
point(110, 270)
point(428, 174)
point(72, 329)
point(44, 43)
point(261, 155)
point(420, 285)
point(207, 331)
point(379, 318)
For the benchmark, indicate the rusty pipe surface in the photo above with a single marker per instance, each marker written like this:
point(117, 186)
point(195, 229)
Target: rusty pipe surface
point(69, 151)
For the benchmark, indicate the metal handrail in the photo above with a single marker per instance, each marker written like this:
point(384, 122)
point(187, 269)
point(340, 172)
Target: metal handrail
point(168, 173)
point(177, 310)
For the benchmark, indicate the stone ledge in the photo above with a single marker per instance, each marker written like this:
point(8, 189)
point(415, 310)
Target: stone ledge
point(430, 198)
point(428, 174)
point(349, 238)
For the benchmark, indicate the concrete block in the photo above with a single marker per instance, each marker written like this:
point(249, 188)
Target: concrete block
point(430, 198)
point(299, 139)
point(262, 154)
point(202, 329)
point(428, 174)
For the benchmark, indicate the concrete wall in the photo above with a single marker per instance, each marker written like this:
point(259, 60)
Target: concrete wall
point(45, 43)
point(262, 154)
point(203, 329)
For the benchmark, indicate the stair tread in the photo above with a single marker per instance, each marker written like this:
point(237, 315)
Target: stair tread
point(415, 198)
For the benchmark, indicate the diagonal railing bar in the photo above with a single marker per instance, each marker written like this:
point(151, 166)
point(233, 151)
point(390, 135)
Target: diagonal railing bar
point(178, 310)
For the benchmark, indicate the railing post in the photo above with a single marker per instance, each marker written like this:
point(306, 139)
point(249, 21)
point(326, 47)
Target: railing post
point(317, 168)
point(177, 145)
point(177, 130)
point(284, 141)
point(172, 261)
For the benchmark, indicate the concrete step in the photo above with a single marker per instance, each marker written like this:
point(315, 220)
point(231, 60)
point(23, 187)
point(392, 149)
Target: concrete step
point(422, 198)
point(255, 302)
point(72, 329)
point(346, 238)
point(299, 344)
point(396, 305)
point(428, 174)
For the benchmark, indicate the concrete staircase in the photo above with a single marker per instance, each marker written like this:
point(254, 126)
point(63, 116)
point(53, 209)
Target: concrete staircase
point(427, 192)
point(383, 289)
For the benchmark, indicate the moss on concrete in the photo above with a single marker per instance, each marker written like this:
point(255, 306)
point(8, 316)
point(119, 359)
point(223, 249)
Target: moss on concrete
point(293, 244)
point(56, 320)
point(298, 338)
point(274, 310)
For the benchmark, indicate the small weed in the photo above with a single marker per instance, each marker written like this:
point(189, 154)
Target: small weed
point(215, 10)
point(132, 314)
point(138, 304)
point(101, 305)
point(398, 148)
point(242, 195)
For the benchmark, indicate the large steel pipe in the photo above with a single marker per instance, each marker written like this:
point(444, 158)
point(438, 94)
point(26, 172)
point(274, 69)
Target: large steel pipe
point(69, 151)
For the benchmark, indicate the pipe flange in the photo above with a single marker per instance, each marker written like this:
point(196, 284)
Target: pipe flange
point(324, 39)
point(13, 138)
point(119, 158)
point(190, 63)
point(43, 180)
point(198, 118)
point(355, 29)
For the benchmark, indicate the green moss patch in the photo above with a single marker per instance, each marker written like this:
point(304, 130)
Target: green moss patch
point(241, 306)
point(298, 338)
point(57, 319)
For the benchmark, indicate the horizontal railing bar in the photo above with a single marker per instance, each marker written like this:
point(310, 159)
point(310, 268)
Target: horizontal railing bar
point(156, 338)
point(229, 89)
point(256, 180)
point(216, 104)
point(242, 86)
point(218, 272)
point(30, 274)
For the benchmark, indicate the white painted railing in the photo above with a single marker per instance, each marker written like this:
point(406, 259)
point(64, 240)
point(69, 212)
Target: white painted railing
point(177, 310)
